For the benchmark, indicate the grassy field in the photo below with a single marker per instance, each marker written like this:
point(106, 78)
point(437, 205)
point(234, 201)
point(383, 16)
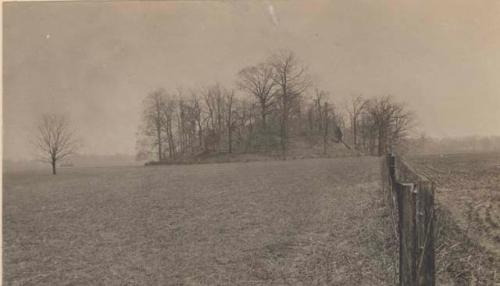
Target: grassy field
point(468, 193)
point(301, 222)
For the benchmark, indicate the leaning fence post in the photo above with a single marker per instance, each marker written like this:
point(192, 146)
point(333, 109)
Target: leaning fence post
point(425, 234)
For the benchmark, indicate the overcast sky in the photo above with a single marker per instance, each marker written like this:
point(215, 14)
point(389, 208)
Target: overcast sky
point(97, 61)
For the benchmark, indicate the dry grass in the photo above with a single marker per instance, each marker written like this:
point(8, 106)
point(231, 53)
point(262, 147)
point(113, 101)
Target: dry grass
point(468, 223)
point(302, 222)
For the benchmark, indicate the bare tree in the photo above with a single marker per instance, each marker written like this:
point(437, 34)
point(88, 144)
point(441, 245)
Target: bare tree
point(196, 113)
point(391, 121)
point(182, 116)
point(325, 117)
point(244, 118)
point(153, 119)
point(355, 108)
point(315, 112)
point(55, 139)
point(168, 110)
point(258, 81)
point(330, 122)
point(230, 116)
point(214, 101)
point(292, 80)
point(320, 96)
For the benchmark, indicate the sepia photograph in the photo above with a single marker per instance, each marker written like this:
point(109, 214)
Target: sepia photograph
point(253, 142)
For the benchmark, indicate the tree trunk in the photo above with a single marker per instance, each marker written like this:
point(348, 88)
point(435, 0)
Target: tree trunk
point(171, 143)
point(284, 122)
point(53, 163)
point(283, 133)
point(381, 141)
point(355, 133)
point(158, 137)
point(230, 139)
point(325, 126)
point(263, 114)
point(230, 134)
point(200, 134)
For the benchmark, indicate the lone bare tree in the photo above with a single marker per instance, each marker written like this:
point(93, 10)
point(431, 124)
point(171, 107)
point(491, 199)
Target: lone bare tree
point(55, 139)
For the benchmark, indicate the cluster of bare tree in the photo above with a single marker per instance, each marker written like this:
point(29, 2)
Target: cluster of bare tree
point(378, 125)
point(271, 103)
point(177, 124)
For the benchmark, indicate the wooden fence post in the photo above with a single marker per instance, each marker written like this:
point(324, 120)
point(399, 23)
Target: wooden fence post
point(414, 197)
point(407, 234)
point(425, 234)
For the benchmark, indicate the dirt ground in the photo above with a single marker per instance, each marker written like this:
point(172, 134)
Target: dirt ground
point(301, 222)
point(468, 189)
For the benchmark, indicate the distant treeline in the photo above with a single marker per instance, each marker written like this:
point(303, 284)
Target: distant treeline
point(468, 144)
point(270, 103)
